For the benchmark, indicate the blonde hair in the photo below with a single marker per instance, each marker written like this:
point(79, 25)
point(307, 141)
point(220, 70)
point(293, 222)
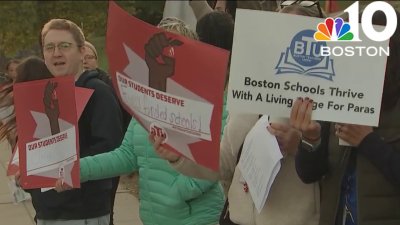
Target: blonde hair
point(63, 24)
point(176, 25)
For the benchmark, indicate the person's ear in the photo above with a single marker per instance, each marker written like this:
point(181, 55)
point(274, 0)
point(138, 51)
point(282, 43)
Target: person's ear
point(82, 50)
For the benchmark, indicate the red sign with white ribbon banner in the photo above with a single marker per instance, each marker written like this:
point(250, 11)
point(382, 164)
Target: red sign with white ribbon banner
point(82, 96)
point(47, 130)
point(171, 84)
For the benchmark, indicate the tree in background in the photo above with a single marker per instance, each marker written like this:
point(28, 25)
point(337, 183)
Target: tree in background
point(149, 11)
point(21, 21)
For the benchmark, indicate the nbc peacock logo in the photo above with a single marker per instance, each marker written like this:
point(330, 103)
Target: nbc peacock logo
point(333, 30)
point(372, 41)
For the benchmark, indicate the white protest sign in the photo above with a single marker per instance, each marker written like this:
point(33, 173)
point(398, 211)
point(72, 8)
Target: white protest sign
point(277, 59)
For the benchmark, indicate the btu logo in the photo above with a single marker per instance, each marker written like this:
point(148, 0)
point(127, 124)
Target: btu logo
point(305, 50)
point(158, 131)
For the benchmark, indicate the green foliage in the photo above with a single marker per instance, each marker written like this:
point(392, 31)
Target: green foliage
point(89, 15)
point(19, 26)
point(21, 21)
point(149, 11)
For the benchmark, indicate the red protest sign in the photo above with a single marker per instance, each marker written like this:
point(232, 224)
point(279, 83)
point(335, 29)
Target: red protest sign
point(171, 84)
point(47, 132)
point(82, 96)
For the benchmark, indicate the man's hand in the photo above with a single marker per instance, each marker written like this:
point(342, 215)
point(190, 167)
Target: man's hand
point(60, 186)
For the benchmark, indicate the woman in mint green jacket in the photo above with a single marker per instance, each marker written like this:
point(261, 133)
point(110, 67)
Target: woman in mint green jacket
point(166, 196)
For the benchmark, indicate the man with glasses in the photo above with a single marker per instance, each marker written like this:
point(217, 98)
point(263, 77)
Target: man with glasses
point(100, 130)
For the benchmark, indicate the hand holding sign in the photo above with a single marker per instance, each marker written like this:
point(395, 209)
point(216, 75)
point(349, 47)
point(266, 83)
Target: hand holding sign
point(352, 134)
point(47, 131)
point(160, 66)
point(161, 151)
point(170, 91)
point(300, 118)
point(60, 186)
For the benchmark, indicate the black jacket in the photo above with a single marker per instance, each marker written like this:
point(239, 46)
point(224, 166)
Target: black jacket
point(126, 117)
point(100, 130)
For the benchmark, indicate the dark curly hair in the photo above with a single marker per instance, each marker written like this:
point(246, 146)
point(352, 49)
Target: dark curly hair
point(216, 28)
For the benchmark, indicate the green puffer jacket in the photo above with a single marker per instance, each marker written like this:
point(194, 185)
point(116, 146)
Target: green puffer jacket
point(166, 196)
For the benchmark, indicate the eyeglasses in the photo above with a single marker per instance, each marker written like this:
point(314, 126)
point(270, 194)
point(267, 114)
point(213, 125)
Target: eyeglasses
point(305, 4)
point(62, 47)
point(89, 57)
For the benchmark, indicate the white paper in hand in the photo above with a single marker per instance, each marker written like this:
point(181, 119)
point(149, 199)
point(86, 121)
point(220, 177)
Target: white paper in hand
point(260, 161)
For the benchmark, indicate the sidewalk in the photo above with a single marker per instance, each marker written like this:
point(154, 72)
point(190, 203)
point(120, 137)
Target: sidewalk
point(126, 205)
